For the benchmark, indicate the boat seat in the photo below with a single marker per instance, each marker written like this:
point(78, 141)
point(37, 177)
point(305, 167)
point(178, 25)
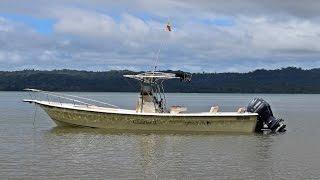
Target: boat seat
point(214, 109)
point(241, 110)
point(177, 109)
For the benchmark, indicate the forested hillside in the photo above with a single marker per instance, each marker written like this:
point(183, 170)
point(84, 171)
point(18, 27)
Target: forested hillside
point(286, 80)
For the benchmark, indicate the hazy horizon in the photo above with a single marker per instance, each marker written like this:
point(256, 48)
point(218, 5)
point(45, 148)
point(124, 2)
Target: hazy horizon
point(159, 70)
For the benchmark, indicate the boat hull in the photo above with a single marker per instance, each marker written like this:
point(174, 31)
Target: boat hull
point(72, 117)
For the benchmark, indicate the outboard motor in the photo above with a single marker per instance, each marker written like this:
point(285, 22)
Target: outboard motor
point(265, 120)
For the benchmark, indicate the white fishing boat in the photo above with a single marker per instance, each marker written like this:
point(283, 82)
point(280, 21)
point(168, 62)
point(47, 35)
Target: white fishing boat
point(152, 113)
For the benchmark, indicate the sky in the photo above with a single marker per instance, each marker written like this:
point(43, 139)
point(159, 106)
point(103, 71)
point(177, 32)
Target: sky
point(207, 35)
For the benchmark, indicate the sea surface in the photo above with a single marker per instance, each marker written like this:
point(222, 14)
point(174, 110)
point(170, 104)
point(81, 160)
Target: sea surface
point(32, 147)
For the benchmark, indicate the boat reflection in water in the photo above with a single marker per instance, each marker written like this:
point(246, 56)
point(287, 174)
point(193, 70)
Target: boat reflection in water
point(163, 154)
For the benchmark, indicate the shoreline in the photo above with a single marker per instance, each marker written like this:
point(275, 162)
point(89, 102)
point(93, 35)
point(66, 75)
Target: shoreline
point(171, 92)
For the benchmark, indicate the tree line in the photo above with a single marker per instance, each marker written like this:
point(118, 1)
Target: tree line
point(285, 80)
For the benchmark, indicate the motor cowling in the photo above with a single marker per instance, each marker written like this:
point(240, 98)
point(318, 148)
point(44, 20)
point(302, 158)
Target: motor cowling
point(265, 121)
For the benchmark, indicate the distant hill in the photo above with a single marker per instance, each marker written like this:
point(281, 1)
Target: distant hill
point(286, 80)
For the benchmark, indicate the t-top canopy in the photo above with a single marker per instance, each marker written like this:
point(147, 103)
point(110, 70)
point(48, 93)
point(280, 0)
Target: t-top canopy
point(153, 76)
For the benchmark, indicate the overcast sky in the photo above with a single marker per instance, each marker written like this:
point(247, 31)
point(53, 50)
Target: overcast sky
point(207, 35)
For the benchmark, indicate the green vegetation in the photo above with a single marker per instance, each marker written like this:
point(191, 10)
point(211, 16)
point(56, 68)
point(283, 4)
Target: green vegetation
point(286, 80)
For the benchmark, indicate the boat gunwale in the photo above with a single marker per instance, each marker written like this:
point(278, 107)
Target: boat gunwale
point(123, 111)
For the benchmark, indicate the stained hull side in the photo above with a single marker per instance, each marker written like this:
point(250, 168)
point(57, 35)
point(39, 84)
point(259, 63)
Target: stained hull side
point(63, 117)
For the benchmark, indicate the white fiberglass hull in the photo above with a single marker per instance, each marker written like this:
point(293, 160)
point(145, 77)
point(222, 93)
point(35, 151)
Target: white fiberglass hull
point(120, 119)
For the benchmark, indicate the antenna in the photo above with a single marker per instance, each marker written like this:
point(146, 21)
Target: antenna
point(169, 29)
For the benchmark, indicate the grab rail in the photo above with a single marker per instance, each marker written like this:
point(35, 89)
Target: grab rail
point(66, 96)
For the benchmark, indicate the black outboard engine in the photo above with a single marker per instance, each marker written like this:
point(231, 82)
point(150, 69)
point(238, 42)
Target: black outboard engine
point(265, 120)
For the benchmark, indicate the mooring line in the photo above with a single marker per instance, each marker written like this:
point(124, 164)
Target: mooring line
point(33, 139)
point(34, 115)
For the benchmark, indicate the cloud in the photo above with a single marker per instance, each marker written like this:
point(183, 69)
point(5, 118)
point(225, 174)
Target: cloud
point(84, 23)
point(207, 35)
point(300, 9)
point(4, 25)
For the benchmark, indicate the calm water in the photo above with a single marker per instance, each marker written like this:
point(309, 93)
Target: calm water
point(48, 152)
